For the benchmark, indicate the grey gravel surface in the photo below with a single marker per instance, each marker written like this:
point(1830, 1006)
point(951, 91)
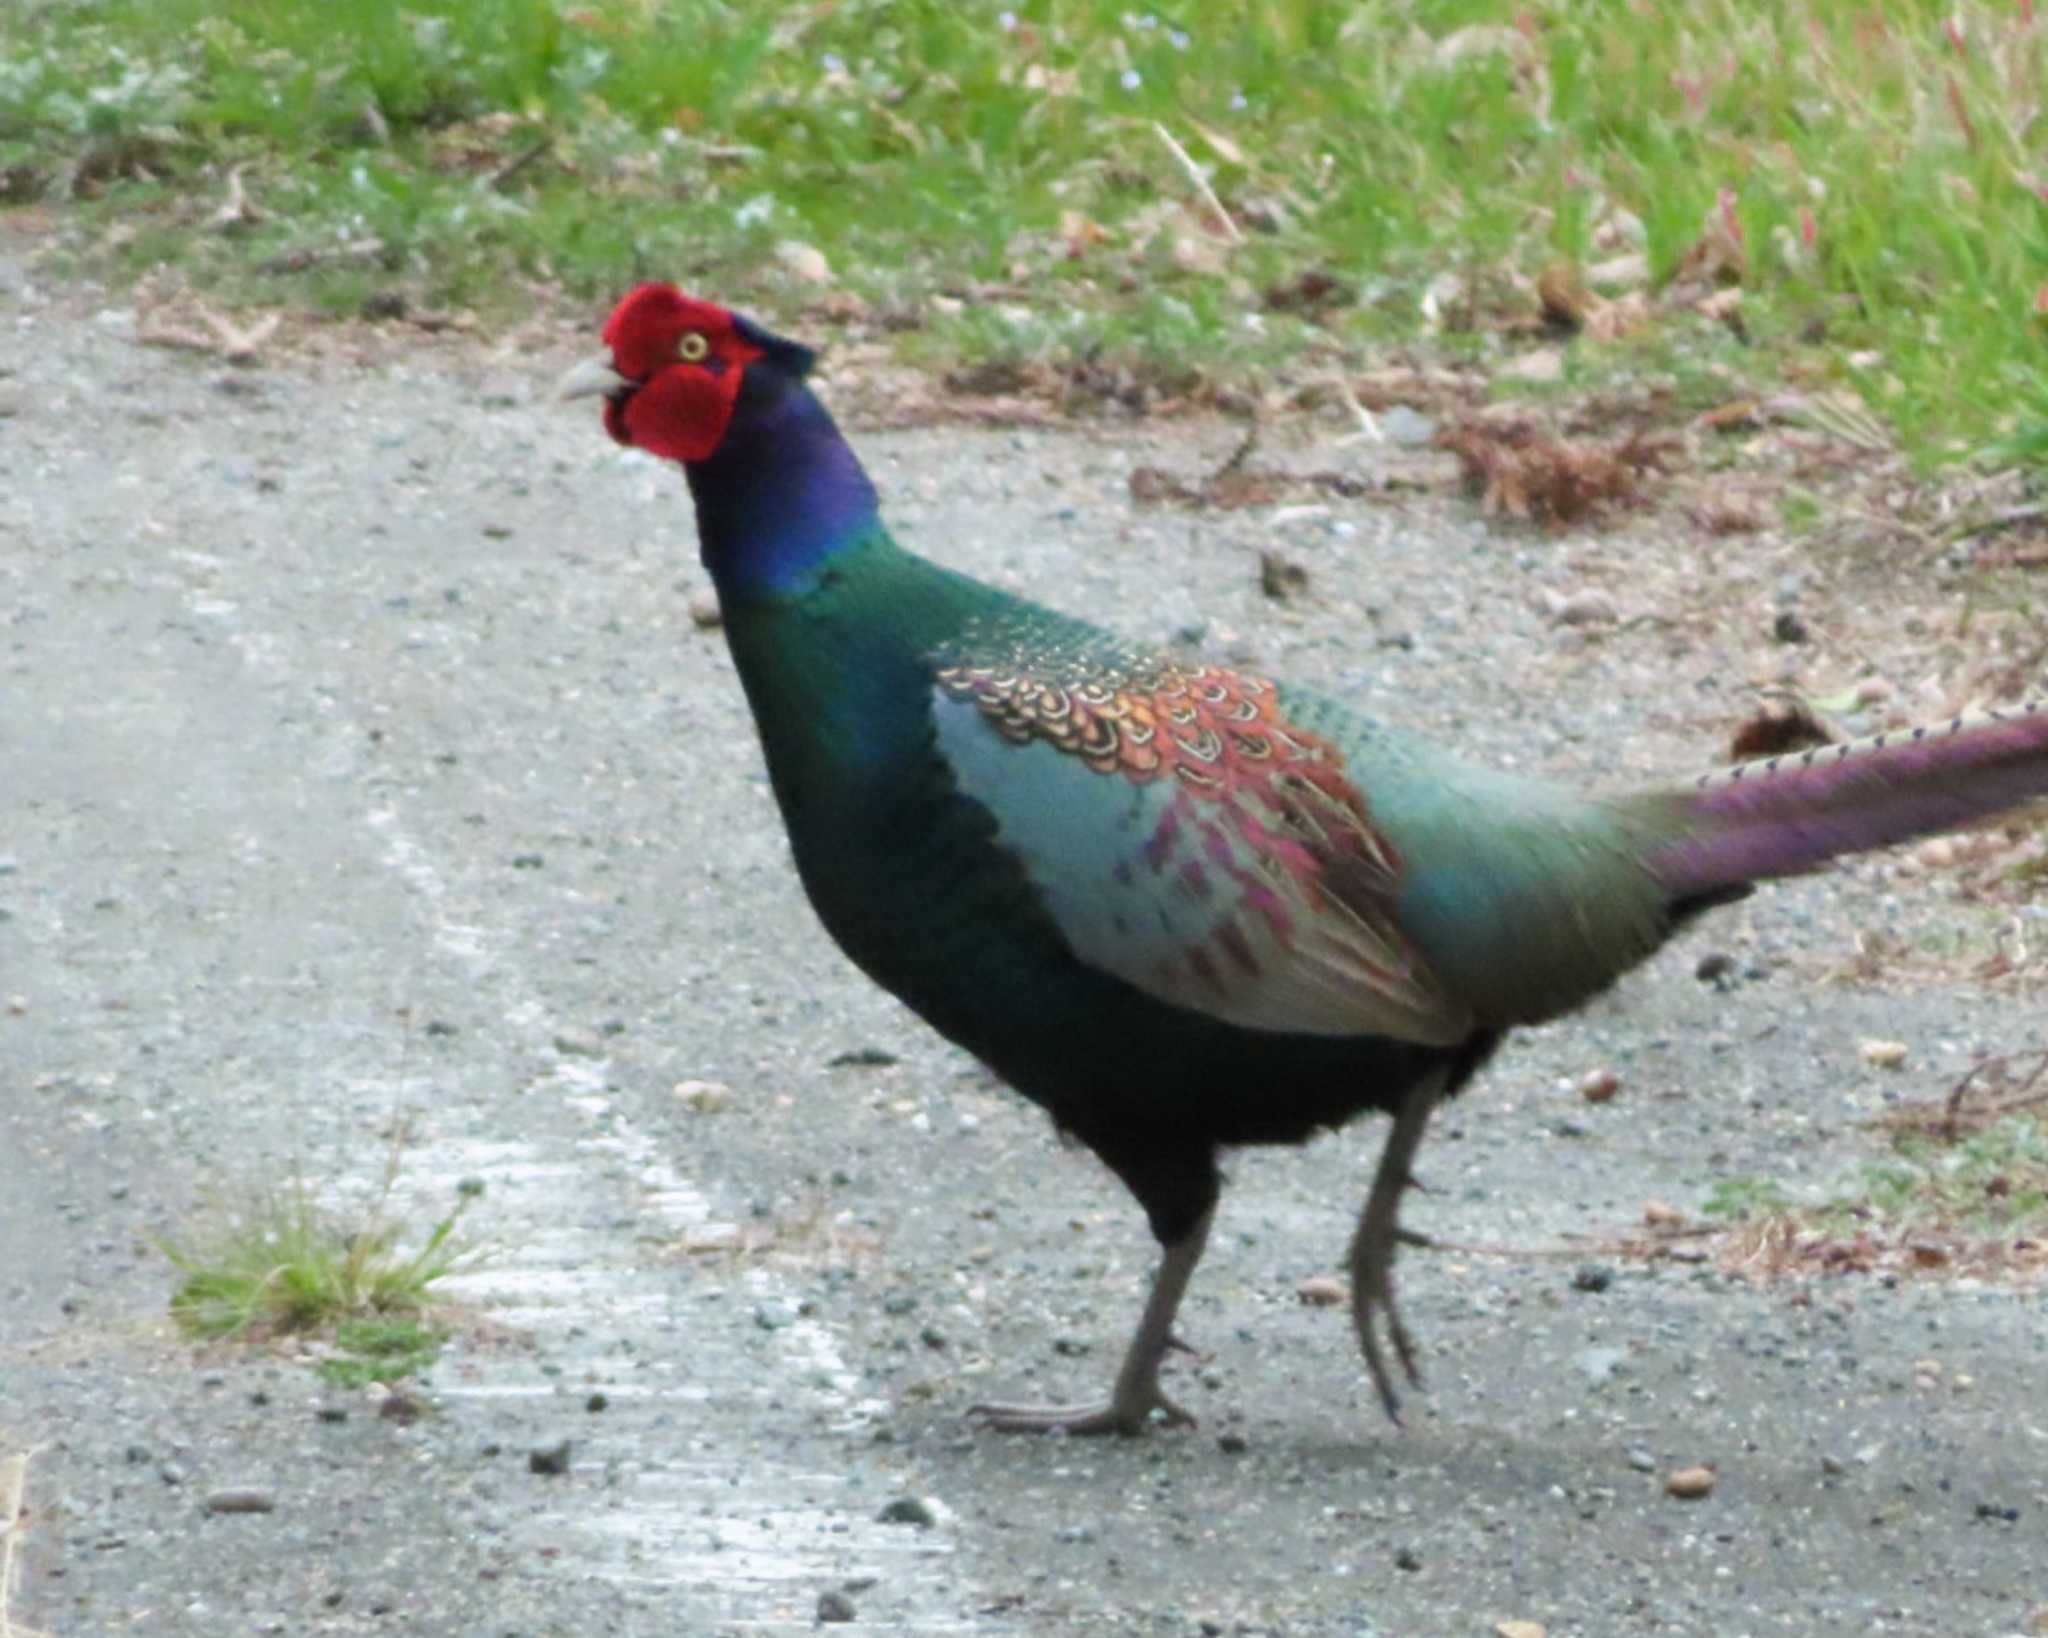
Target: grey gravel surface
point(364, 764)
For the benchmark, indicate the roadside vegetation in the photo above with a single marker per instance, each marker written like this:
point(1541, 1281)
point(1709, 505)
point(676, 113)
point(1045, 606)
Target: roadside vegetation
point(1723, 200)
point(1961, 1189)
point(352, 1288)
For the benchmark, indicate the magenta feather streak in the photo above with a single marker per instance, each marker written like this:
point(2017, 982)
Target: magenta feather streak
point(1787, 815)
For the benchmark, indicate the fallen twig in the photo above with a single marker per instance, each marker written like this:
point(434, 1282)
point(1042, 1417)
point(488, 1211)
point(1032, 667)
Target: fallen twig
point(517, 163)
point(1998, 1068)
point(1231, 230)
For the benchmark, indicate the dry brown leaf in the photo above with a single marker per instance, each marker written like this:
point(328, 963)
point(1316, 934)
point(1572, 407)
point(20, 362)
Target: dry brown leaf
point(1623, 316)
point(1719, 256)
point(1080, 233)
point(1562, 293)
point(1722, 511)
point(1308, 291)
point(1778, 728)
point(1526, 472)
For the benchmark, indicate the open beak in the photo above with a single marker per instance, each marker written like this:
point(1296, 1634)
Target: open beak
point(593, 378)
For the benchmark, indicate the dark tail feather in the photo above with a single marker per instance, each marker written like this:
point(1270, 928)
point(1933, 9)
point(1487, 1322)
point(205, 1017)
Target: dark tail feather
point(1790, 813)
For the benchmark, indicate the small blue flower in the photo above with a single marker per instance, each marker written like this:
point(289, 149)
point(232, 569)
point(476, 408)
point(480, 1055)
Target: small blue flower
point(1238, 102)
point(1179, 38)
point(834, 63)
point(1132, 79)
point(1007, 22)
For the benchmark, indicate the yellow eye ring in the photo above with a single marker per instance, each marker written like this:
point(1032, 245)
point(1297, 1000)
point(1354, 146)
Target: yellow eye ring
point(693, 348)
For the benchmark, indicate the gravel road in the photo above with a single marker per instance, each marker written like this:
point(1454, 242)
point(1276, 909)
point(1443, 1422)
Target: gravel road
point(364, 767)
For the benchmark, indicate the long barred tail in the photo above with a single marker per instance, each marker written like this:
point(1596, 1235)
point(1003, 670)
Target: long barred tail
point(1791, 813)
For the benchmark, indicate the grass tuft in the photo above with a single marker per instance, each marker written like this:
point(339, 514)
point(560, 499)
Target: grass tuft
point(284, 1265)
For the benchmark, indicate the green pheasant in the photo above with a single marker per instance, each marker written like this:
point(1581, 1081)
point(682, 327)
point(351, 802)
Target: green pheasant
point(1178, 906)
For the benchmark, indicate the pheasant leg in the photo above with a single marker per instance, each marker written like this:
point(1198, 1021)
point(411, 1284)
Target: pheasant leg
point(1137, 1393)
point(1374, 1246)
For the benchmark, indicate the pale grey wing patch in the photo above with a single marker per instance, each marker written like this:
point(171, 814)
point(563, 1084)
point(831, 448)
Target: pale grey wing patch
point(1168, 892)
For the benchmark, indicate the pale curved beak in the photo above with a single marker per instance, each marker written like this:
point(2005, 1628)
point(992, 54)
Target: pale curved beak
point(593, 378)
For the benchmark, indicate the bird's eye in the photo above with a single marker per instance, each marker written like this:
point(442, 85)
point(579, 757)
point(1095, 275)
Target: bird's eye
point(693, 348)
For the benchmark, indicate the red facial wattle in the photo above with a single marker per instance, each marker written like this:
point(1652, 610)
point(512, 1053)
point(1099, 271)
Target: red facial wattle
point(682, 389)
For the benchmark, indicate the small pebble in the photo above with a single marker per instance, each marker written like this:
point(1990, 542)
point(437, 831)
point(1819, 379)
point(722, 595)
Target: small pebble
point(242, 1499)
point(1641, 1460)
point(705, 614)
point(1232, 1444)
point(909, 1510)
point(704, 1097)
point(595, 1403)
point(1280, 577)
point(1715, 967)
point(1884, 1054)
point(1599, 1085)
point(551, 1460)
point(1658, 1215)
point(834, 1606)
point(1592, 1277)
point(1320, 1291)
point(1520, 1629)
point(1599, 1365)
point(1789, 628)
point(1690, 1483)
point(1585, 608)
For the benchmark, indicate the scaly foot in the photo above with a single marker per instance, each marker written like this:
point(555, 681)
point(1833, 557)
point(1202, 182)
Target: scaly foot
point(1138, 1396)
point(1374, 1247)
point(1128, 1418)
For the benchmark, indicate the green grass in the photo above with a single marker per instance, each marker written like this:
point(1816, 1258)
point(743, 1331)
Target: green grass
point(1994, 1181)
point(1737, 1199)
point(281, 1264)
point(1980, 1190)
point(1880, 165)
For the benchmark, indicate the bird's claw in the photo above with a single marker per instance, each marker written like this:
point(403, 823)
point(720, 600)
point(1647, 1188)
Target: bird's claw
point(1130, 1416)
point(1374, 1246)
point(1372, 1304)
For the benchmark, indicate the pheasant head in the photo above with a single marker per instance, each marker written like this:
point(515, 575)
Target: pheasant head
point(674, 371)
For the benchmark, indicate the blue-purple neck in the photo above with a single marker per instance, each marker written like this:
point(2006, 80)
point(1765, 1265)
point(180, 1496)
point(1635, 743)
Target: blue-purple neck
point(781, 496)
